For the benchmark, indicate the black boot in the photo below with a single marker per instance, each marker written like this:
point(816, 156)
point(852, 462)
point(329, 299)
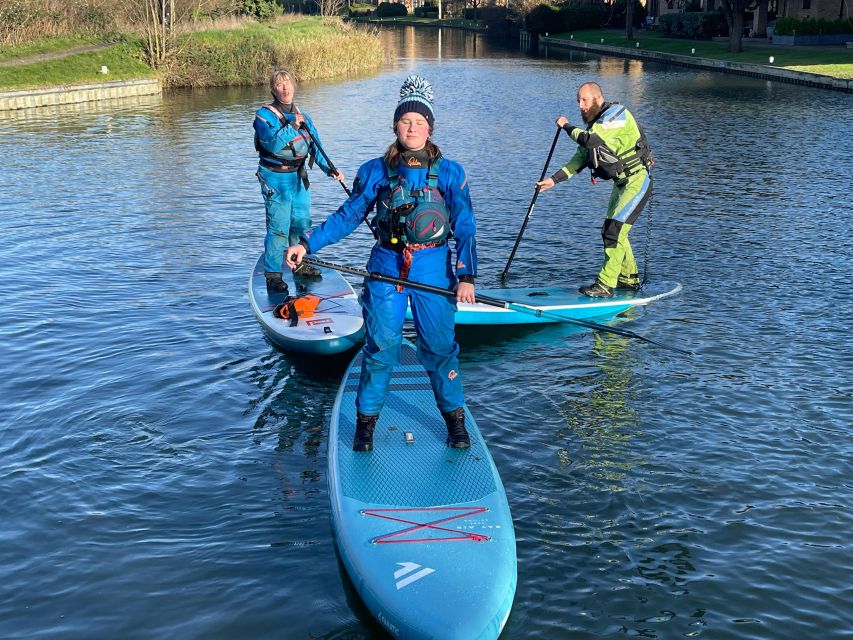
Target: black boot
point(597, 290)
point(457, 436)
point(630, 283)
point(307, 271)
point(364, 426)
point(274, 282)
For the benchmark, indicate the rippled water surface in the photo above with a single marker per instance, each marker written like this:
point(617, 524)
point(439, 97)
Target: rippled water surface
point(163, 466)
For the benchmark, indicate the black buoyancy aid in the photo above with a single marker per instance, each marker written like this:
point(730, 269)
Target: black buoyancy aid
point(606, 164)
point(296, 149)
point(412, 216)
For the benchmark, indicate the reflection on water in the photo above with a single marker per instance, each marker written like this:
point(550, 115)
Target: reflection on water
point(408, 44)
point(599, 413)
point(109, 107)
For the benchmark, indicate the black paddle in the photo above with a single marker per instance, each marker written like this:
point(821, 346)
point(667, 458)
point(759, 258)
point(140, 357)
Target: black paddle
point(304, 127)
point(494, 302)
point(530, 208)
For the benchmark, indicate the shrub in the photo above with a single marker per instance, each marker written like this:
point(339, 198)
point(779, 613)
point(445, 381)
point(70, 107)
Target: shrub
point(492, 15)
point(92, 17)
point(426, 11)
point(549, 19)
point(260, 9)
point(812, 27)
point(391, 10)
point(26, 20)
point(694, 25)
point(15, 16)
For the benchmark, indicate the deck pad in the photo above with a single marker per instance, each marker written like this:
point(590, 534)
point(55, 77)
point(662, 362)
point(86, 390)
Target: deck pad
point(336, 324)
point(424, 531)
point(566, 302)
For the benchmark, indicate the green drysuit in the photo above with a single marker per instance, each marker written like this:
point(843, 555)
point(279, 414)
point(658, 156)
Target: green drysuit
point(616, 128)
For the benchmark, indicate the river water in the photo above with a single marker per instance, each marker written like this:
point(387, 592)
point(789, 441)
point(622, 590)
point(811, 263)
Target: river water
point(164, 467)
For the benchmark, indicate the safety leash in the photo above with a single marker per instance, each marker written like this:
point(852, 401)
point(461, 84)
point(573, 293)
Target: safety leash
point(648, 243)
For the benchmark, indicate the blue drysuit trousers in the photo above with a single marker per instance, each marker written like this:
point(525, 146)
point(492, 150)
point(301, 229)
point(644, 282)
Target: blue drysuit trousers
point(384, 312)
point(288, 205)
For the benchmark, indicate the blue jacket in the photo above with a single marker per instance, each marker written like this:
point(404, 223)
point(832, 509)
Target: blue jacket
point(373, 176)
point(272, 136)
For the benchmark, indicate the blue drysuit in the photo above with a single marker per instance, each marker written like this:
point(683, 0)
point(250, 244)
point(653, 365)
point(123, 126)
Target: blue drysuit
point(283, 150)
point(385, 306)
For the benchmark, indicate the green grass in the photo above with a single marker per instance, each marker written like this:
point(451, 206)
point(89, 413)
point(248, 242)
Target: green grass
point(122, 60)
point(287, 32)
point(44, 46)
point(835, 62)
point(310, 47)
point(843, 71)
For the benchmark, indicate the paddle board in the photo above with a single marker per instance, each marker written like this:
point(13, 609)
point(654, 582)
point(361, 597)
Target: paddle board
point(424, 531)
point(336, 325)
point(566, 302)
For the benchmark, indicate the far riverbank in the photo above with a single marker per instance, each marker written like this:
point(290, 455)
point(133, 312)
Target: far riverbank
point(312, 48)
point(823, 67)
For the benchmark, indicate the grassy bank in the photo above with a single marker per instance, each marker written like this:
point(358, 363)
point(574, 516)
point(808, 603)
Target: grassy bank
point(46, 45)
point(310, 47)
point(828, 61)
point(122, 60)
point(242, 54)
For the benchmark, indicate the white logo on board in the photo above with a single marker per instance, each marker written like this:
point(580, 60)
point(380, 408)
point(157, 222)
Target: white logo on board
point(409, 573)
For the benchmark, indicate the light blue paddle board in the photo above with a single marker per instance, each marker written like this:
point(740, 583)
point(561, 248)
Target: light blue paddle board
point(565, 302)
point(423, 530)
point(335, 326)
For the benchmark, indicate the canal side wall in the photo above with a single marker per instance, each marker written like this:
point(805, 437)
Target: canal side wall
point(29, 98)
point(765, 72)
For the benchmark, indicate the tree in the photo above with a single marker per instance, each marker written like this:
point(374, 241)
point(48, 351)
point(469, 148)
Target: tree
point(734, 10)
point(629, 20)
point(518, 9)
point(159, 20)
point(329, 8)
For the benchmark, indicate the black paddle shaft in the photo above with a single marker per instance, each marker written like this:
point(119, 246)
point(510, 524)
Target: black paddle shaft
point(530, 208)
point(329, 162)
point(493, 302)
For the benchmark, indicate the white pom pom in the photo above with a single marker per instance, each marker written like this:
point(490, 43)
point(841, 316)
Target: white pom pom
point(415, 86)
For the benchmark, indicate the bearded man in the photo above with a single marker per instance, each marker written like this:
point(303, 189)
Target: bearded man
point(613, 147)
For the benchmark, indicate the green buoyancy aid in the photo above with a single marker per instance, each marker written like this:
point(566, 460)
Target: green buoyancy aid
point(606, 164)
point(412, 216)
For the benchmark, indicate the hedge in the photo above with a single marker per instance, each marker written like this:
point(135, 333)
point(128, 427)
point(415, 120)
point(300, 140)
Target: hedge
point(391, 10)
point(426, 11)
point(695, 25)
point(547, 18)
point(812, 27)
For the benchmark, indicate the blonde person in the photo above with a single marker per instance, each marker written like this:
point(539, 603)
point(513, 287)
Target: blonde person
point(285, 139)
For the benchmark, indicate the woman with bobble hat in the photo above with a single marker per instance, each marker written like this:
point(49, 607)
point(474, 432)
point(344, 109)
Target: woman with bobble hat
point(422, 201)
